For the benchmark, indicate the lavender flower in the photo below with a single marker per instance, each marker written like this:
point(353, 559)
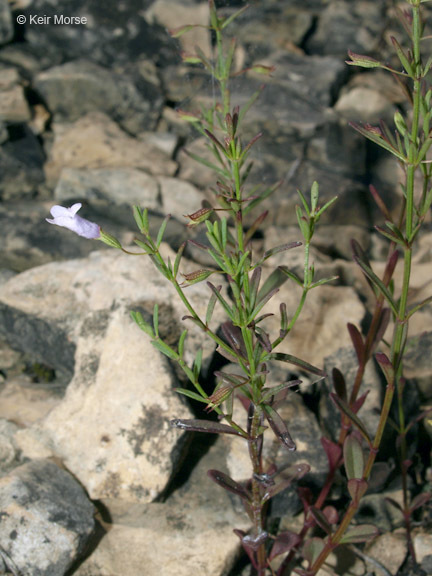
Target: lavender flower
point(68, 218)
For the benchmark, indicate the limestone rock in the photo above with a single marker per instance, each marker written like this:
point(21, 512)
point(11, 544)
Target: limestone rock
point(76, 88)
point(6, 23)
point(46, 519)
point(112, 429)
point(192, 529)
point(95, 141)
point(118, 34)
point(13, 106)
point(362, 104)
point(21, 164)
point(123, 187)
point(172, 15)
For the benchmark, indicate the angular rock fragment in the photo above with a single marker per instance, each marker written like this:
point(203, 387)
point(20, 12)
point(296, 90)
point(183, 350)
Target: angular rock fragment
point(46, 519)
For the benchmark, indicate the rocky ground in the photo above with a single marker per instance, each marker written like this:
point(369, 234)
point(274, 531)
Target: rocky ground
point(93, 480)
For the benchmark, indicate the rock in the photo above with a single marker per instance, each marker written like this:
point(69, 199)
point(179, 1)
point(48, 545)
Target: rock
point(171, 15)
point(25, 402)
point(117, 34)
point(289, 26)
point(133, 450)
point(342, 26)
point(362, 104)
point(417, 365)
point(293, 70)
point(21, 164)
point(121, 187)
point(112, 430)
point(422, 545)
point(9, 456)
point(46, 519)
point(320, 329)
point(76, 88)
point(13, 104)
point(182, 526)
point(95, 141)
point(27, 241)
point(389, 549)
point(6, 23)
point(179, 197)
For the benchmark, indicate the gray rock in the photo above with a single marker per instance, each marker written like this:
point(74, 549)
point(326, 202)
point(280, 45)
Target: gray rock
point(112, 429)
point(46, 519)
point(13, 104)
point(123, 187)
point(76, 88)
point(95, 141)
point(417, 363)
point(116, 34)
point(21, 164)
point(344, 25)
point(6, 23)
point(197, 513)
point(9, 455)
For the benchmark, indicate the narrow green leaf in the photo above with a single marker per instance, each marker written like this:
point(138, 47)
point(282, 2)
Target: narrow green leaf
point(208, 164)
point(325, 207)
point(181, 343)
point(228, 21)
point(323, 281)
point(197, 364)
point(357, 488)
point(353, 458)
point(281, 248)
point(145, 326)
point(221, 299)
point(191, 394)
point(162, 230)
point(156, 319)
point(402, 57)
point(178, 259)
point(165, 349)
point(269, 393)
point(359, 534)
point(291, 275)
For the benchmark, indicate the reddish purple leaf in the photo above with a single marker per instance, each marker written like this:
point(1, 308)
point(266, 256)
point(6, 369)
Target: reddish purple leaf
point(357, 488)
point(357, 340)
point(333, 452)
point(339, 384)
point(419, 501)
point(229, 484)
point(208, 426)
point(279, 427)
point(285, 541)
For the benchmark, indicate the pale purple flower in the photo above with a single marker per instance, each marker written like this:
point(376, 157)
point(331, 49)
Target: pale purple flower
point(68, 218)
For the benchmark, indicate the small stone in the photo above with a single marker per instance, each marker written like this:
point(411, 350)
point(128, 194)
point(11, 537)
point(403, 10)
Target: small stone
point(389, 549)
point(13, 106)
point(46, 518)
point(422, 545)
